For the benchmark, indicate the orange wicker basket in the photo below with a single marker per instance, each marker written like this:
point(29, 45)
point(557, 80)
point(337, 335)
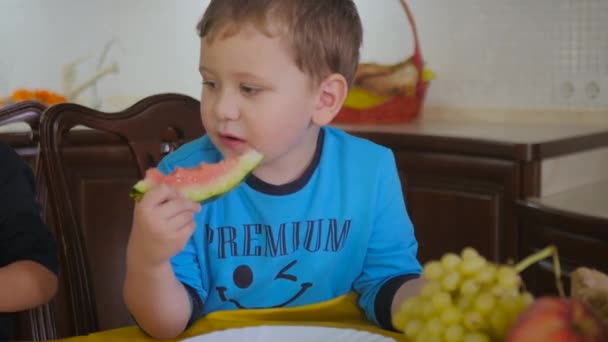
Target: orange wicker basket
point(398, 108)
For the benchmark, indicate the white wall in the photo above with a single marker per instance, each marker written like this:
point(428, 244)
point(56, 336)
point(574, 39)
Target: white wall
point(486, 53)
point(157, 48)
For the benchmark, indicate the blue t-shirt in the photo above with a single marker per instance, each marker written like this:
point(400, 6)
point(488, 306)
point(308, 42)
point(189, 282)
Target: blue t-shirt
point(340, 227)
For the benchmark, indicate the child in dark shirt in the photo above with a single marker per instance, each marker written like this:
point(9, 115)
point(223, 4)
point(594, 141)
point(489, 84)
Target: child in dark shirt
point(28, 251)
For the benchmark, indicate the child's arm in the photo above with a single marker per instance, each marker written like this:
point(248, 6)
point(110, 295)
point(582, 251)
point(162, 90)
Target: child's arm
point(25, 284)
point(391, 271)
point(158, 302)
point(28, 250)
point(408, 289)
point(162, 224)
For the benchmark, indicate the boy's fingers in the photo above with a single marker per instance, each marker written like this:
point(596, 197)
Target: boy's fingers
point(182, 219)
point(160, 194)
point(174, 207)
point(190, 205)
point(186, 230)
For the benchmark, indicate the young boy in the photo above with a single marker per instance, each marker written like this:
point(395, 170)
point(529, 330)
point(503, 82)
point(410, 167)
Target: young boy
point(322, 216)
point(28, 251)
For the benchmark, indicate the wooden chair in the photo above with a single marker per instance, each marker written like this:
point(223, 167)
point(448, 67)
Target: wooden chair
point(26, 112)
point(36, 324)
point(89, 174)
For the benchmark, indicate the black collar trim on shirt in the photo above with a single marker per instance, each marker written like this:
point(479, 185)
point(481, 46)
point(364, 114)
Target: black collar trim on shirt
point(293, 186)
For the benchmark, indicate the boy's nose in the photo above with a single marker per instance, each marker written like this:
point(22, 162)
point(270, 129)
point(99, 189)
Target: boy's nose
point(226, 107)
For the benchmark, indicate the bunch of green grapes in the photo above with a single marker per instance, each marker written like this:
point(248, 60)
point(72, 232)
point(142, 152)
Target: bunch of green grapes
point(466, 298)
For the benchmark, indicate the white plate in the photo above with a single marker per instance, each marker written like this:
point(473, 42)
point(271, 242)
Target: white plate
point(276, 333)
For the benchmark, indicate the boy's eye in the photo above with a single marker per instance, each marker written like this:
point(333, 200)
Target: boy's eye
point(249, 90)
point(209, 84)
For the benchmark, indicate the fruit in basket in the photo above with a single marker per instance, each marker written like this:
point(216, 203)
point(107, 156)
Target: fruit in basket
point(385, 93)
point(387, 80)
point(467, 298)
point(388, 93)
point(556, 319)
point(202, 182)
point(382, 81)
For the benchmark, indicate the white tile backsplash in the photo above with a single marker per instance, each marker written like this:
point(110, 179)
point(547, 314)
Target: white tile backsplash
point(514, 54)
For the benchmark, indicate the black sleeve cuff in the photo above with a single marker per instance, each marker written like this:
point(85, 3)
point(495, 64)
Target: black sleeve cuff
point(196, 303)
point(384, 299)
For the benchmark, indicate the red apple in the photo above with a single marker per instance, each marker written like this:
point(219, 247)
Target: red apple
point(555, 319)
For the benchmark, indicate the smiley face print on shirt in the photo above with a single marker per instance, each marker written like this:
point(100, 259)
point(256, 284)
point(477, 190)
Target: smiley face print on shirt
point(243, 278)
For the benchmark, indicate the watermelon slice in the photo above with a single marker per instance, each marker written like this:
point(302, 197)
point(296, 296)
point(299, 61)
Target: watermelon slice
point(201, 182)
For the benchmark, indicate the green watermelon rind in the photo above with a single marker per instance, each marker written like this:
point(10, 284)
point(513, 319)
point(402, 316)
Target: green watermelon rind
point(246, 164)
point(139, 189)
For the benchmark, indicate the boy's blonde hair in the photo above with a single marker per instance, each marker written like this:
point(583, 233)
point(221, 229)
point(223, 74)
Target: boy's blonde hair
point(324, 36)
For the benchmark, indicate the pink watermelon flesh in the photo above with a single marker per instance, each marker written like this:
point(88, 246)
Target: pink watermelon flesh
point(203, 181)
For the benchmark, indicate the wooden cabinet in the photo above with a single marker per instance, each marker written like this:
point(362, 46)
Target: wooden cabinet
point(461, 180)
point(576, 222)
point(457, 201)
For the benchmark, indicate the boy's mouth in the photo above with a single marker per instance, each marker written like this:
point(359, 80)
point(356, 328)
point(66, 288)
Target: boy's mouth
point(232, 141)
point(230, 137)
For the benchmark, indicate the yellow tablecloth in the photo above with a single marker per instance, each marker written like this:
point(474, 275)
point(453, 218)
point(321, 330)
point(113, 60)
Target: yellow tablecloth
point(341, 312)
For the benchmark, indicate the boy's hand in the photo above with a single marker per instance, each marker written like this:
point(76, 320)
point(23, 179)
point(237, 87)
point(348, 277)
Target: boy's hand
point(162, 224)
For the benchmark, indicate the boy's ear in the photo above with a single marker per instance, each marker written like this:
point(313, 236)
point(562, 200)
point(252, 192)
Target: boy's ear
point(332, 93)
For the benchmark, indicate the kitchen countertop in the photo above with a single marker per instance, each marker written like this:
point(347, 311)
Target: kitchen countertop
point(590, 200)
point(519, 140)
point(515, 135)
